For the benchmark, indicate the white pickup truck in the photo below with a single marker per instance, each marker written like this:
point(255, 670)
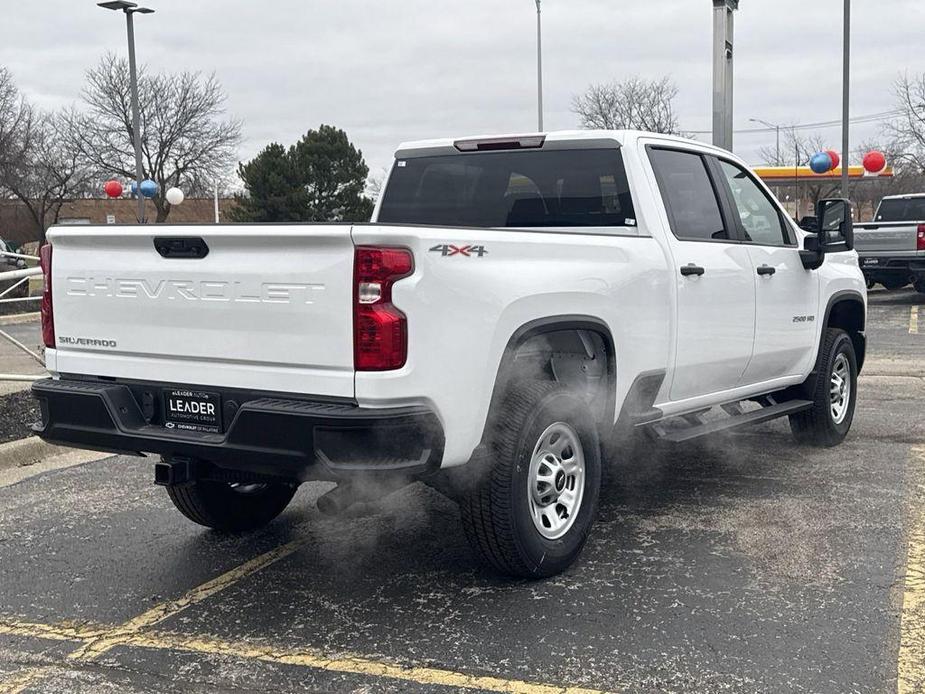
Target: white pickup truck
point(892, 247)
point(518, 306)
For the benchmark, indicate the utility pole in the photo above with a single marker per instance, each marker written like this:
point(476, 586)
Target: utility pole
point(722, 71)
point(539, 66)
point(846, 83)
point(130, 8)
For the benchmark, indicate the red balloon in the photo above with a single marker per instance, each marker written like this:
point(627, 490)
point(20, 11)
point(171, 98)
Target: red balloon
point(113, 189)
point(833, 155)
point(874, 162)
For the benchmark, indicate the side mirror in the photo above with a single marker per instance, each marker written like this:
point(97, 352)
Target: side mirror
point(833, 232)
point(836, 225)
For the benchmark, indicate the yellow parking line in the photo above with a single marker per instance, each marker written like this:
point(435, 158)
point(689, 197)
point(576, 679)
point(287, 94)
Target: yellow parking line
point(302, 657)
point(348, 664)
point(120, 634)
point(914, 320)
point(64, 631)
point(911, 668)
point(21, 681)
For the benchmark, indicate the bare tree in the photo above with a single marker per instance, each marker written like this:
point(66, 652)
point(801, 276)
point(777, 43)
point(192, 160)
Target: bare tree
point(185, 139)
point(38, 163)
point(375, 183)
point(634, 103)
point(15, 119)
point(907, 131)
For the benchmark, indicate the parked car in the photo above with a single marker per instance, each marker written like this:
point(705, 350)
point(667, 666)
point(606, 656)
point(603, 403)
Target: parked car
point(517, 306)
point(891, 248)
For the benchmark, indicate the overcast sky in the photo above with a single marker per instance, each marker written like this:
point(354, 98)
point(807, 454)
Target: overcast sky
point(410, 69)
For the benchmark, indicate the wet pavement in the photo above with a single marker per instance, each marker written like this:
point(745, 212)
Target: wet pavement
point(740, 563)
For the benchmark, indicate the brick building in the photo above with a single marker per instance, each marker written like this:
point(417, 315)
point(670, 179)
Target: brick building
point(18, 226)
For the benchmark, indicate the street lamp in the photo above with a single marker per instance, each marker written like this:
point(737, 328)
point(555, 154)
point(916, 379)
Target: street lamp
point(846, 79)
point(130, 8)
point(774, 127)
point(539, 66)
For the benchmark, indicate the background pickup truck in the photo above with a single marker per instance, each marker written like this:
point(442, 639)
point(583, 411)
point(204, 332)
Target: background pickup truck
point(520, 309)
point(891, 248)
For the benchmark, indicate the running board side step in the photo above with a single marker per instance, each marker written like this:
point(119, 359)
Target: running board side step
point(764, 414)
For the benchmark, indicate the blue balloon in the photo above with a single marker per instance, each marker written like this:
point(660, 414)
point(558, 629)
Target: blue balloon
point(149, 188)
point(134, 187)
point(821, 163)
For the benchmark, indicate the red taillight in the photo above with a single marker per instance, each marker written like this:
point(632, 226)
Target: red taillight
point(380, 331)
point(920, 238)
point(48, 316)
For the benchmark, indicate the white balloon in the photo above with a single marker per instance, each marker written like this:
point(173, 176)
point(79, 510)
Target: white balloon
point(174, 196)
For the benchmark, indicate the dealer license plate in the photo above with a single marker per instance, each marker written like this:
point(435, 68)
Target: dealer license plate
point(192, 410)
point(870, 261)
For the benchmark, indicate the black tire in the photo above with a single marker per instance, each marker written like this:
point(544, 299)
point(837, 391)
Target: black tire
point(496, 513)
point(894, 283)
point(232, 508)
point(919, 285)
point(817, 426)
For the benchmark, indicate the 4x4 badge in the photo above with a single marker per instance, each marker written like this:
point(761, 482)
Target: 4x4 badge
point(448, 249)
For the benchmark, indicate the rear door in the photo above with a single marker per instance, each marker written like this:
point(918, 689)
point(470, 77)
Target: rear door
point(713, 276)
point(266, 308)
point(786, 293)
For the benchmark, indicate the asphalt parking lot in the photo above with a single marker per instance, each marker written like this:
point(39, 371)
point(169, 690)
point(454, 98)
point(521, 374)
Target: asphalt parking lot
point(744, 564)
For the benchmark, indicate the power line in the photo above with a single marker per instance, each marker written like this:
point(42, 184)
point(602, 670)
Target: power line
point(869, 118)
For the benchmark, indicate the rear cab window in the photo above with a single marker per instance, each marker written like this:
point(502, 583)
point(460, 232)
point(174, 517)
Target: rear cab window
point(565, 188)
point(901, 210)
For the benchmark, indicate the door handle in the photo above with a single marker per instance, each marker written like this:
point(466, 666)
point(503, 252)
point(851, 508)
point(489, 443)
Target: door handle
point(766, 270)
point(691, 269)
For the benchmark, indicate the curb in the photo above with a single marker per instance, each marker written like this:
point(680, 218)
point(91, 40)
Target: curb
point(27, 451)
point(20, 318)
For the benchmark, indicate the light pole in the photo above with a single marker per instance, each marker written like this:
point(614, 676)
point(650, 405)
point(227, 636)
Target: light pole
point(539, 66)
point(774, 127)
point(130, 8)
point(846, 70)
point(723, 11)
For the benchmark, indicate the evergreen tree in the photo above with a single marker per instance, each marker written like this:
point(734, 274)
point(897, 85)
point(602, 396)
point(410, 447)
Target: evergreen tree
point(321, 178)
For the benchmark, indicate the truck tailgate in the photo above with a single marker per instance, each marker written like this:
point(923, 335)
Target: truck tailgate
point(885, 237)
point(268, 308)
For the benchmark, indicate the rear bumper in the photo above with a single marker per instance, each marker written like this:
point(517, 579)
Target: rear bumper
point(873, 265)
point(265, 434)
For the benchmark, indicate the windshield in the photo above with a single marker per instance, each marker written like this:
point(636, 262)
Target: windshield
point(901, 210)
point(535, 188)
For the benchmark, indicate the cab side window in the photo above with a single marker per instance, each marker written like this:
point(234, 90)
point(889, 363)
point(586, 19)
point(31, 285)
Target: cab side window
point(688, 193)
point(761, 221)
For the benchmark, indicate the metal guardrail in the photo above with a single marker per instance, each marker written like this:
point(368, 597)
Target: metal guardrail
point(19, 277)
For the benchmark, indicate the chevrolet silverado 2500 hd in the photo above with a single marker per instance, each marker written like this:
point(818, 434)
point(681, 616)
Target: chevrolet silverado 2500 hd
point(517, 305)
point(892, 247)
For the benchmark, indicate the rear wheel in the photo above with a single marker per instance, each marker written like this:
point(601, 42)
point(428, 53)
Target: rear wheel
point(833, 391)
point(919, 285)
point(231, 506)
point(531, 513)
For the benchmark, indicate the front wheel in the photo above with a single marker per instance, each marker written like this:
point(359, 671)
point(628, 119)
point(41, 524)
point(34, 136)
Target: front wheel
point(530, 514)
point(230, 506)
point(834, 388)
point(919, 285)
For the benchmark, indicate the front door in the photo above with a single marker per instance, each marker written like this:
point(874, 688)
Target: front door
point(786, 293)
point(713, 277)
